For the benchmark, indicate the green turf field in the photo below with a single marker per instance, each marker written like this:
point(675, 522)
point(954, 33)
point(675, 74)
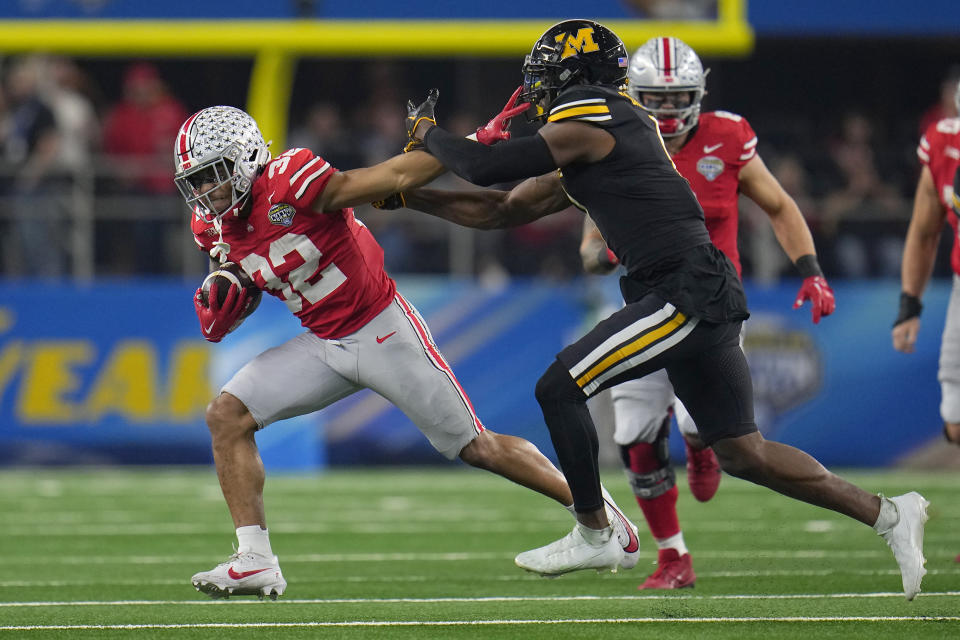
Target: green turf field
point(429, 554)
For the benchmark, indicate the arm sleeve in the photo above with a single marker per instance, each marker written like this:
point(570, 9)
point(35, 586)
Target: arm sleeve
point(482, 165)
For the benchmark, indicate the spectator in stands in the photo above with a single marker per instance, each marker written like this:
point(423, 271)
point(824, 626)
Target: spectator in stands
point(136, 136)
point(324, 131)
point(865, 197)
point(31, 144)
point(68, 93)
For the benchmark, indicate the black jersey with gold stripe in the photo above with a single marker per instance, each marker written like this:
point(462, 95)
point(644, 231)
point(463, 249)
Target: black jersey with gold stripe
point(642, 206)
point(645, 209)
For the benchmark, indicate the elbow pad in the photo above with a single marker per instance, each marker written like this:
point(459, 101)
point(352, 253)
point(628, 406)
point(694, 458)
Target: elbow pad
point(482, 165)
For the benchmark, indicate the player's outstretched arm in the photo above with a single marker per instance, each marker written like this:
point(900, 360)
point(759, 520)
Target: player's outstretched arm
point(555, 145)
point(919, 255)
point(491, 209)
point(360, 186)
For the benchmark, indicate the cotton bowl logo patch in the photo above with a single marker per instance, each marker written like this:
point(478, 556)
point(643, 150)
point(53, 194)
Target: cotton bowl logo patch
point(710, 167)
point(281, 214)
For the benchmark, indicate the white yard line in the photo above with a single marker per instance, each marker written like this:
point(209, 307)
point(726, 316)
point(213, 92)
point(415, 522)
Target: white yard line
point(468, 623)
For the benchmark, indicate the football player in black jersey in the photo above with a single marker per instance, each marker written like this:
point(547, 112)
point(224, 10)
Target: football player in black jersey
point(601, 151)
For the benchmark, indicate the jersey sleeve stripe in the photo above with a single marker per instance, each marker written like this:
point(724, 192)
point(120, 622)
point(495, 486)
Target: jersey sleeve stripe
point(592, 118)
point(577, 103)
point(581, 112)
point(303, 170)
point(749, 154)
point(750, 143)
point(924, 156)
point(313, 176)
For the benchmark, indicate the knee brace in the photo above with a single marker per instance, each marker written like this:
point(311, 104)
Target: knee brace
point(647, 465)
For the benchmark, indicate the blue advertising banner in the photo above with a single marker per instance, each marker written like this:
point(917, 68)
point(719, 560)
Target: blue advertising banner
point(100, 373)
point(116, 373)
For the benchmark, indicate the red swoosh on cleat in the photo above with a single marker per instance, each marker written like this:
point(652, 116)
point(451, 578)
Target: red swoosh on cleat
point(634, 543)
point(243, 574)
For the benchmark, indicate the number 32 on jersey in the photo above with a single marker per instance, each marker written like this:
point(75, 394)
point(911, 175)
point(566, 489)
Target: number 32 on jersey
point(295, 287)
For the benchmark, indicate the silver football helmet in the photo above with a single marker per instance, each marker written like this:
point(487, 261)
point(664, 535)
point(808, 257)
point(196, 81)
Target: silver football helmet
point(670, 68)
point(217, 146)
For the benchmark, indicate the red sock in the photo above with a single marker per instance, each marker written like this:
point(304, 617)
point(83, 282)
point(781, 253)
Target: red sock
point(660, 512)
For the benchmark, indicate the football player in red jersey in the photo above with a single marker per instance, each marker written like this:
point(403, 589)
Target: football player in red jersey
point(935, 202)
point(287, 221)
point(716, 152)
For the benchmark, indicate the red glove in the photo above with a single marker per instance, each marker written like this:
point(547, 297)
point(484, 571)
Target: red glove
point(496, 129)
point(217, 321)
point(818, 292)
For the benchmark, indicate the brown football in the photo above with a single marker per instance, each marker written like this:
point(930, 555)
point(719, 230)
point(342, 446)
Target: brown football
point(231, 274)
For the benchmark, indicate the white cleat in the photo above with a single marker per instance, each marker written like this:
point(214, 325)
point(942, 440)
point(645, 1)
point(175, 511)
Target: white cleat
point(627, 532)
point(906, 540)
point(572, 553)
point(244, 574)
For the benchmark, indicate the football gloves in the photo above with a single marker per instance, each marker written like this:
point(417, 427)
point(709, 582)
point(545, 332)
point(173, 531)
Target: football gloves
point(818, 292)
point(416, 115)
point(497, 129)
point(392, 201)
point(216, 321)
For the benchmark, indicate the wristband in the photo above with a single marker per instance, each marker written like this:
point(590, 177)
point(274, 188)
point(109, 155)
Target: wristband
point(910, 307)
point(808, 266)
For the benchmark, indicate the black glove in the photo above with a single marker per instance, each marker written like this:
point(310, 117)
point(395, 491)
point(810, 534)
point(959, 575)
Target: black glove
point(392, 201)
point(415, 114)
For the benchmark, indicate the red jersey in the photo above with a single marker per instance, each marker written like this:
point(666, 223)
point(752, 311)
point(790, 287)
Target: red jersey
point(326, 267)
point(939, 150)
point(711, 160)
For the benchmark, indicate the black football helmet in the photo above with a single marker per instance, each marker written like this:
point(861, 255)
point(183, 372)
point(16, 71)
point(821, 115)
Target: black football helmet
point(571, 52)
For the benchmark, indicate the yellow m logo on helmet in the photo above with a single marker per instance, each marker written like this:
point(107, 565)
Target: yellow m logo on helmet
point(574, 44)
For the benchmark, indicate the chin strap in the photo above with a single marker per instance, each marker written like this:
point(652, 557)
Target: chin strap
point(220, 248)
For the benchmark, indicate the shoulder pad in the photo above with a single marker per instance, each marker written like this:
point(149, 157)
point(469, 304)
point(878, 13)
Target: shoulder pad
point(734, 130)
point(296, 175)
